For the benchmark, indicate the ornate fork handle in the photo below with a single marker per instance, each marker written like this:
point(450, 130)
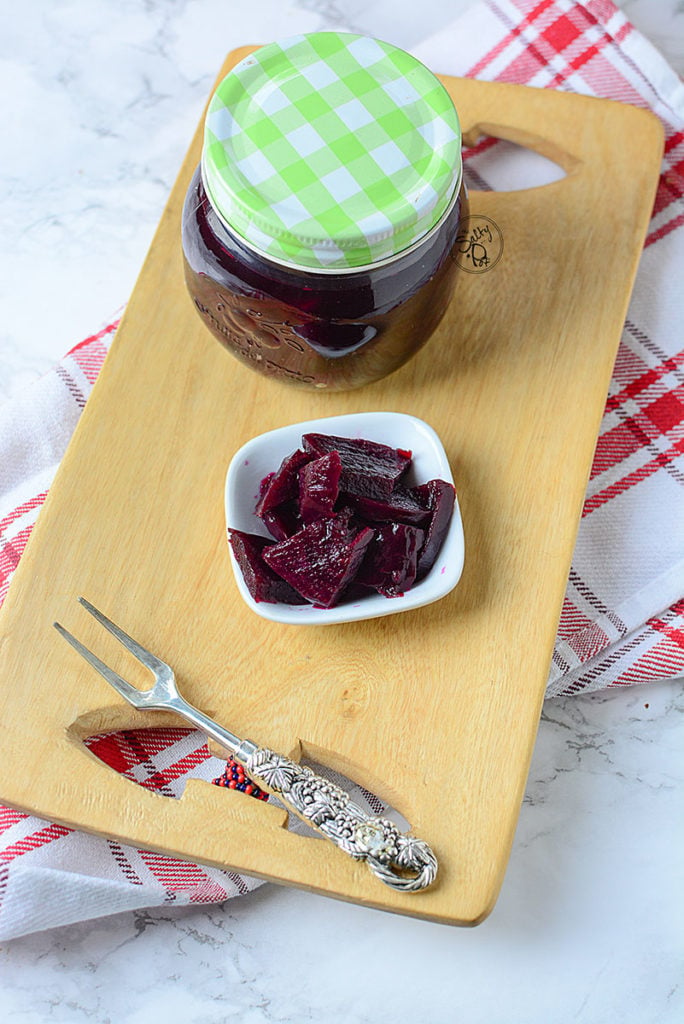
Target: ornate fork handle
point(400, 861)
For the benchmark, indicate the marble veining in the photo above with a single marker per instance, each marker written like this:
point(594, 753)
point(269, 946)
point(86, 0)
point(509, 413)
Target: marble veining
point(100, 100)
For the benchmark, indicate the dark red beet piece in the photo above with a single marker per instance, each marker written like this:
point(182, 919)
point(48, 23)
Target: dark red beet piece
point(262, 583)
point(438, 497)
point(399, 507)
point(283, 520)
point(263, 487)
point(368, 468)
point(321, 559)
point(319, 487)
point(391, 560)
point(282, 485)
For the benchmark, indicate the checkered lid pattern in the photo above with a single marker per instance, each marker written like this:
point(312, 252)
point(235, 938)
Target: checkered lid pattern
point(331, 150)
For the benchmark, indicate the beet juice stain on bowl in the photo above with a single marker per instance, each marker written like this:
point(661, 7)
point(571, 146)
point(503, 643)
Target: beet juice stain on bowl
point(318, 229)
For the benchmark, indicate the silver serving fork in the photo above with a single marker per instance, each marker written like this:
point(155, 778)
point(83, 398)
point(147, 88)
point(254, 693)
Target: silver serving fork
point(396, 858)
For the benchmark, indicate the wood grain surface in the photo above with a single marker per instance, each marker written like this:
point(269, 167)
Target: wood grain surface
point(436, 709)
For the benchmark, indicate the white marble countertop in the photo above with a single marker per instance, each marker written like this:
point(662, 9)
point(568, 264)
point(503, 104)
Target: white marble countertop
point(100, 101)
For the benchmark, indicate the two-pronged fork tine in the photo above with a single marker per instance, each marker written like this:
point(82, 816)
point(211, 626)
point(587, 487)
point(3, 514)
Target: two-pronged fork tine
point(138, 698)
point(399, 860)
point(155, 665)
point(164, 695)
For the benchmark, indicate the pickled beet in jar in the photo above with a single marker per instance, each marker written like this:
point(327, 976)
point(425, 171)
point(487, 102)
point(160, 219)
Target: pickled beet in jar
point(318, 230)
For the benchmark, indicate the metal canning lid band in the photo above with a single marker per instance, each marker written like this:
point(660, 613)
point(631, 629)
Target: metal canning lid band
point(331, 150)
point(291, 265)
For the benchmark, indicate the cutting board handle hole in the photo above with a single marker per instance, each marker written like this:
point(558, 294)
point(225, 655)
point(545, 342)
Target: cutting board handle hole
point(138, 755)
point(501, 160)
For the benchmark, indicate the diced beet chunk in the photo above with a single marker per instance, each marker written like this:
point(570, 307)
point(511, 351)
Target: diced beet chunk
point(368, 468)
point(263, 487)
point(391, 560)
point(319, 487)
point(281, 486)
point(262, 583)
point(321, 559)
point(400, 506)
point(438, 497)
point(283, 520)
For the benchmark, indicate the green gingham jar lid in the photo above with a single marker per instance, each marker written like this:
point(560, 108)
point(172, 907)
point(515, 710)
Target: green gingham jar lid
point(331, 150)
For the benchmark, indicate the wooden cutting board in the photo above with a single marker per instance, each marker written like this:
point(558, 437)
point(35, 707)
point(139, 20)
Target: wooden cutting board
point(437, 709)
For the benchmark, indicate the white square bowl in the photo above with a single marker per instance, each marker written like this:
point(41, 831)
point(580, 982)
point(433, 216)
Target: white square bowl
point(264, 454)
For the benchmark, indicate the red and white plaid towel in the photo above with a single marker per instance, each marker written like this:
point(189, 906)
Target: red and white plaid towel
point(623, 618)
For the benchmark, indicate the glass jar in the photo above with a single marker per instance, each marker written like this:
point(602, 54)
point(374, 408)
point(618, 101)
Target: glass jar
point(319, 229)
